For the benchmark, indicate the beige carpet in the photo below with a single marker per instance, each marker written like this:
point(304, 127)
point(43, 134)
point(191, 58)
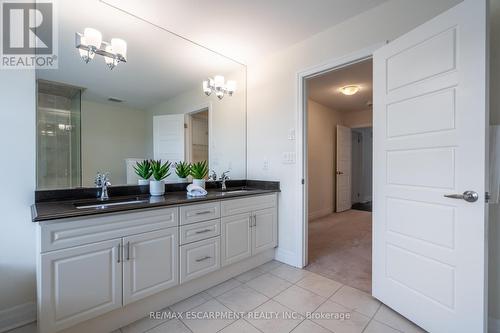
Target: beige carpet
point(340, 247)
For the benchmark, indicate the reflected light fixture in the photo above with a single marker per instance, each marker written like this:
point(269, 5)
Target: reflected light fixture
point(218, 85)
point(350, 89)
point(90, 43)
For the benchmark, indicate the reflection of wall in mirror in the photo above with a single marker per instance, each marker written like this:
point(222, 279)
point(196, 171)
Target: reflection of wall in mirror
point(110, 135)
point(227, 124)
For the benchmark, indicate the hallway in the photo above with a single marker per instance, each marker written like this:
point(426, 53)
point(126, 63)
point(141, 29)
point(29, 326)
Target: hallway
point(340, 248)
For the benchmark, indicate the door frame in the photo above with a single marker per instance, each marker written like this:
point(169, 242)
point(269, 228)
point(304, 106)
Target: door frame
point(187, 131)
point(301, 148)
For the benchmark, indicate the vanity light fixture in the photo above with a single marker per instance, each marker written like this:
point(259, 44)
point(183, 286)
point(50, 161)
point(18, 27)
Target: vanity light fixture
point(90, 43)
point(350, 89)
point(219, 86)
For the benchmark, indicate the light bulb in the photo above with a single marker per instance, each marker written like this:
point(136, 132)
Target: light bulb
point(231, 87)
point(219, 94)
point(206, 88)
point(119, 47)
point(92, 37)
point(111, 62)
point(219, 81)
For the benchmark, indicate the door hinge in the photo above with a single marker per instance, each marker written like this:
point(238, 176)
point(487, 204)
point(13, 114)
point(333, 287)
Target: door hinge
point(487, 197)
point(185, 125)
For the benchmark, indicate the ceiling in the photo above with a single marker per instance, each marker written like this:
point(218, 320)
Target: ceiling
point(159, 64)
point(245, 30)
point(324, 89)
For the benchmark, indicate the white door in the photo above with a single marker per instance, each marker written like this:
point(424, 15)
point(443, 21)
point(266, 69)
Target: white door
point(429, 258)
point(343, 168)
point(236, 238)
point(150, 263)
point(168, 137)
point(265, 230)
point(79, 283)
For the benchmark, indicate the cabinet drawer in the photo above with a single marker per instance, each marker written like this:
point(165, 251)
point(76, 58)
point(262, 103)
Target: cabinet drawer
point(200, 258)
point(84, 230)
point(198, 231)
point(200, 212)
point(248, 204)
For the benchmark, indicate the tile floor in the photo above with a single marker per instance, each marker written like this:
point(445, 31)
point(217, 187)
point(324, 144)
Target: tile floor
point(287, 294)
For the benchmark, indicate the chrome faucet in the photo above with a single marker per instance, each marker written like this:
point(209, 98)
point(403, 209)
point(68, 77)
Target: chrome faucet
point(102, 181)
point(212, 175)
point(223, 178)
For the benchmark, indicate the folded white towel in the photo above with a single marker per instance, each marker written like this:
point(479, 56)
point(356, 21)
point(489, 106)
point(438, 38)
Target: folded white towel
point(196, 191)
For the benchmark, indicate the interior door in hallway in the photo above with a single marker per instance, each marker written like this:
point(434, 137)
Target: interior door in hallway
point(343, 169)
point(430, 116)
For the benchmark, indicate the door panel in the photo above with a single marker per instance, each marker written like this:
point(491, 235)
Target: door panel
point(430, 119)
point(236, 238)
point(264, 232)
point(80, 283)
point(149, 263)
point(343, 168)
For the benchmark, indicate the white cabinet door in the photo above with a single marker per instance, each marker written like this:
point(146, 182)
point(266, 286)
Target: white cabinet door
point(429, 121)
point(264, 231)
point(199, 258)
point(236, 238)
point(79, 283)
point(150, 263)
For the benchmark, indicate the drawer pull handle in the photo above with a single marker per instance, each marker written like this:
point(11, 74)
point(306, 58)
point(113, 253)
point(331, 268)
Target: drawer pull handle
point(203, 231)
point(119, 252)
point(204, 212)
point(203, 259)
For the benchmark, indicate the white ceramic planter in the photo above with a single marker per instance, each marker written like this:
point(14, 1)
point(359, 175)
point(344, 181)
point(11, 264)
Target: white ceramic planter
point(143, 181)
point(199, 182)
point(156, 187)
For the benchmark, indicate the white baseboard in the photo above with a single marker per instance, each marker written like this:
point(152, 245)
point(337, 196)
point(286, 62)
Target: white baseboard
point(320, 213)
point(493, 325)
point(17, 316)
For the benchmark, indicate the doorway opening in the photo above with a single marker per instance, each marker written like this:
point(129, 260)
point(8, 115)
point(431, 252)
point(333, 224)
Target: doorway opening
point(339, 174)
point(197, 134)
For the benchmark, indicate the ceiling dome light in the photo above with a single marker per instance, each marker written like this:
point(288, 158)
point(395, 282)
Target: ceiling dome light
point(349, 90)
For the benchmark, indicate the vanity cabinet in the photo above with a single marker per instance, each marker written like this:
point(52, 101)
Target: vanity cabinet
point(89, 266)
point(79, 283)
point(149, 263)
point(252, 230)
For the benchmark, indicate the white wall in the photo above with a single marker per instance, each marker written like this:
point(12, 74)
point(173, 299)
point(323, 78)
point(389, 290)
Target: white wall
point(272, 97)
point(322, 141)
point(17, 167)
point(110, 134)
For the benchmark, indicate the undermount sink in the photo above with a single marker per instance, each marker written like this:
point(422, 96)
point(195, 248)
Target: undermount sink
point(106, 204)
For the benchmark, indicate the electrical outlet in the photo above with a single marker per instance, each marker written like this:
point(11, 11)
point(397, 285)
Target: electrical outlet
point(265, 166)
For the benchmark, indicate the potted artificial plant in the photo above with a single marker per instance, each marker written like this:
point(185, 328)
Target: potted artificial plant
point(160, 171)
point(199, 171)
point(143, 170)
point(182, 170)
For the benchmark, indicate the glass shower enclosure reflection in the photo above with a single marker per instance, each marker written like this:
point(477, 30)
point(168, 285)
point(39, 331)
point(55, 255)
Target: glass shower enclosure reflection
point(58, 135)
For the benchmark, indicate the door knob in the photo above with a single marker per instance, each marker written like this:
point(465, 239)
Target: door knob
point(339, 173)
point(469, 196)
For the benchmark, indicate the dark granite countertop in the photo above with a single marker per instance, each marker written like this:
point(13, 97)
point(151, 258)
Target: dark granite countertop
point(59, 209)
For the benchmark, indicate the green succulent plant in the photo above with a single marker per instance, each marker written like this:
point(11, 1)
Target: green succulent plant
point(199, 170)
point(143, 169)
point(160, 170)
point(183, 169)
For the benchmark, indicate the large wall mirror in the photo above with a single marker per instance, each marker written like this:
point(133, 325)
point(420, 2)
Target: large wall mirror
point(91, 118)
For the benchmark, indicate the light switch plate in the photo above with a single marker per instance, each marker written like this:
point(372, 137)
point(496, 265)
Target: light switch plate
point(288, 157)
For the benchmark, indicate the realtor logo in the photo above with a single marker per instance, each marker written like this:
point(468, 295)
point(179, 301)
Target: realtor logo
point(29, 34)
